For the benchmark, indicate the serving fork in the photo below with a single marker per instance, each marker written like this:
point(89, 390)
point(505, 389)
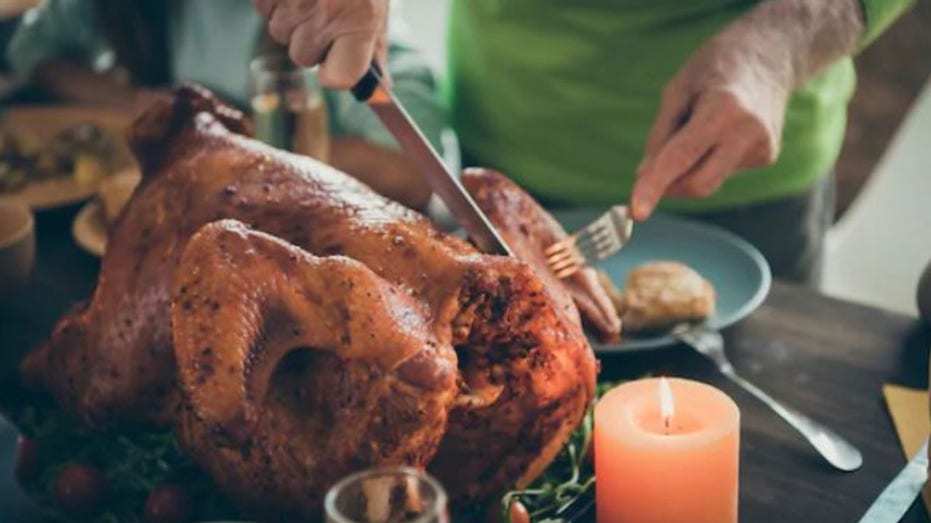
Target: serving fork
point(835, 449)
point(598, 240)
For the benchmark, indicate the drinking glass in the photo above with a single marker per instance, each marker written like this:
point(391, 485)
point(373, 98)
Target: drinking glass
point(387, 495)
point(288, 106)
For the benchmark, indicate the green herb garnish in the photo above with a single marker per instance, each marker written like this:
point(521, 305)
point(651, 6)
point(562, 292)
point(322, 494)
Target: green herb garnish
point(132, 464)
point(135, 463)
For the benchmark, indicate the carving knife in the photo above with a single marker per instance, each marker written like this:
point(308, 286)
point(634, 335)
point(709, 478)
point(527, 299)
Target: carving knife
point(372, 90)
point(898, 496)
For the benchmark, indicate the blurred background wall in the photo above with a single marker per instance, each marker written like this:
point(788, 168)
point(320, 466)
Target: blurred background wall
point(890, 75)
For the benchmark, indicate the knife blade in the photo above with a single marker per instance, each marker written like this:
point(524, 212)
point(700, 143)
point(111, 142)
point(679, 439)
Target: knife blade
point(372, 90)
point(898, 496)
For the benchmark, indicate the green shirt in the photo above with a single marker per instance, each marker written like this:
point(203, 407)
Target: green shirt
point(560, 94)
point(211, 43)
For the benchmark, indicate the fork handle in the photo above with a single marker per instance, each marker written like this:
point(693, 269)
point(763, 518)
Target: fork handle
point(837, 450)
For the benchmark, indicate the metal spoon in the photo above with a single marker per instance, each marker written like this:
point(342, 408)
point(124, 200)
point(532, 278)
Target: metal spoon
point(835, 449)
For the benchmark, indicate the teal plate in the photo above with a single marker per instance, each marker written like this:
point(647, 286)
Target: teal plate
point(738, 271)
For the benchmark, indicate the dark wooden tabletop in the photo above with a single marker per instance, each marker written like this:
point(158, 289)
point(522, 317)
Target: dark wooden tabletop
point(826, 357)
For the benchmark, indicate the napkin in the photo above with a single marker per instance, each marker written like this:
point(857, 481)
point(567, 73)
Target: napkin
point(909, 410)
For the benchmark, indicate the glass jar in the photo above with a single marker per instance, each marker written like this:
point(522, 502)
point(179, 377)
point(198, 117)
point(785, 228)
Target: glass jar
point(288, 106)
point(387, 495)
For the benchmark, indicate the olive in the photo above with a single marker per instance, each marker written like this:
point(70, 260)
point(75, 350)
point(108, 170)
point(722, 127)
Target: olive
point(80, 489)
point(27, 460)
point(517, 513)
point(168, 504)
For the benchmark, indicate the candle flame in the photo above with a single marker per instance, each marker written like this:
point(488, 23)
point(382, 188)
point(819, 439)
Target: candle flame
point(667, 406)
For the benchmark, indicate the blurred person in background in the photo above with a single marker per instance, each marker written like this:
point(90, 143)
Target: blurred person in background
point(734, 110)
point(125, 53)
point(10, 12)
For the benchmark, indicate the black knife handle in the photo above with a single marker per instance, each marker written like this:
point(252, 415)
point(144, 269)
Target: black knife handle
point(365, 88)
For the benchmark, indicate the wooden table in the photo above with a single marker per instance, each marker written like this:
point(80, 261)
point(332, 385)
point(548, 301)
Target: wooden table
point(828, 358)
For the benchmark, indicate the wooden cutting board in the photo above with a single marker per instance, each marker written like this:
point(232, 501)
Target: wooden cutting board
point(45, 122)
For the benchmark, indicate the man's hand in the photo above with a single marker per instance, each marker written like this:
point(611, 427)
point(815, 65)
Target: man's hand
point(723, 111)
point(341, 35)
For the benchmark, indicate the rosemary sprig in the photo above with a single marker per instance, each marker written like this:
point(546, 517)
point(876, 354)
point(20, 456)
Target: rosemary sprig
point(135, 463)
point(569, 477)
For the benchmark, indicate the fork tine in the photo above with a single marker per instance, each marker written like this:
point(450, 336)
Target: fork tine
point(560, 245)
point(565, 273)
point(598, 236)
point(567, 264)
point(561, 255)
point(562, 263)
point(612, 244)
point(594, 227)
point(608, 238)
point(572, 252)
point(599, 239)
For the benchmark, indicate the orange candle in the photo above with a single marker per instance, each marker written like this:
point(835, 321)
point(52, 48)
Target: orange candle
point(666, 451)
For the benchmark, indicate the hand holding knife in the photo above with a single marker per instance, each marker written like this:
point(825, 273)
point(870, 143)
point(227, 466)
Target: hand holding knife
point(372, 90)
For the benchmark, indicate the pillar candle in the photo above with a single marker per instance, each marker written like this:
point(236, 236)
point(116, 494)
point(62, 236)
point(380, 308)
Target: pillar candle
point(666, 460)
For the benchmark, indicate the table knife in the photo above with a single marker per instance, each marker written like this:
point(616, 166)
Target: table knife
point(898, 496)
point(373, 90)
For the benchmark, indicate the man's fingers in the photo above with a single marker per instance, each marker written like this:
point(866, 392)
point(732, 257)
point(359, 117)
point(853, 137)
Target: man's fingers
point(344, 37)
point(381, 53)
point(281, 24)
point(710, 118)
point(650, 186)
point(648, 189)
point(673, 110)
point(706, 178)
point(708, 121)
point(680, 154)
point(306, 48)
point(347, 60)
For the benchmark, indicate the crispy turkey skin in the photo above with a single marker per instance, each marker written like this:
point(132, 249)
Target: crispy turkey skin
point(292, 325)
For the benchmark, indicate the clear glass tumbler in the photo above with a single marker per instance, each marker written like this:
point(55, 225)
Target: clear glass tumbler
point(387, 495)
point(288, 106)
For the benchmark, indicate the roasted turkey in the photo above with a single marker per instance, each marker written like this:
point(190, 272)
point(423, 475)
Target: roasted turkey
point(292, 326)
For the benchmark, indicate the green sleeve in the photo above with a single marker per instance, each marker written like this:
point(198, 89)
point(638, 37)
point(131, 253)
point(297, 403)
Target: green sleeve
point(54, 29)
point(878, 15)
point(414, 84)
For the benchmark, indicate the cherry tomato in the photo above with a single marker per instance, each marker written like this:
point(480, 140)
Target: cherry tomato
point(27, 460)
point(518, 513)
point(168, 504)
point(80, 489)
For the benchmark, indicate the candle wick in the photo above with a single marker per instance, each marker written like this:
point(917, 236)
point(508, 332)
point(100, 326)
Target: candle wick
point(666, 422)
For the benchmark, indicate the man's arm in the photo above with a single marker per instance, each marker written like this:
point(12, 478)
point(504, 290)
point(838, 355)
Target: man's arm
point(724, 110)
point(810, 33)
point(364, 148)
